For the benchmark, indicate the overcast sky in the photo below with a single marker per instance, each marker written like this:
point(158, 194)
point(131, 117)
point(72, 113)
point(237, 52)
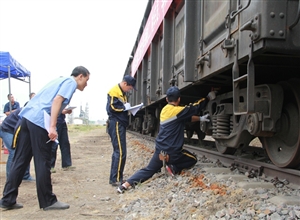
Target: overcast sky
point(51, 37)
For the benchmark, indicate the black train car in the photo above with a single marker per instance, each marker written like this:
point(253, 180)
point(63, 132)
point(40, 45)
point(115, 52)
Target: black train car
point(247, 49)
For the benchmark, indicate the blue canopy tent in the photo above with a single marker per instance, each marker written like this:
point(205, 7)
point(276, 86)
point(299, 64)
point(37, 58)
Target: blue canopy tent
point(10, 68)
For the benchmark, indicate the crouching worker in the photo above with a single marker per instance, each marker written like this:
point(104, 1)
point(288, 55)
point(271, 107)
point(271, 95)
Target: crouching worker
point(170, 138)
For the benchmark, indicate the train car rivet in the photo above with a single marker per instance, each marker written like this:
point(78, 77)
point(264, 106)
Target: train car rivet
point(281, 33)
point(281, 15)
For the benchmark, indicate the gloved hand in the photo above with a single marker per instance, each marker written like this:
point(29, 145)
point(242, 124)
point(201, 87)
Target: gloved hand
point(127, 106)
point(212, 95)
point(205, 118)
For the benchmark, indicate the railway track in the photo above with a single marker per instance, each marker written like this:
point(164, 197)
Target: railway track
point(253, 167)
point(251, 161)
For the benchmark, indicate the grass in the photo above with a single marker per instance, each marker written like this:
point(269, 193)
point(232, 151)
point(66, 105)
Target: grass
point(84, 128)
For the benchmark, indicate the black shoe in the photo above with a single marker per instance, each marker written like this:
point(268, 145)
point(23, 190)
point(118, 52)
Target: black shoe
point(121, 189)
point(69, 168)
point(58, 205)
point(8, 207)
point(117, 183)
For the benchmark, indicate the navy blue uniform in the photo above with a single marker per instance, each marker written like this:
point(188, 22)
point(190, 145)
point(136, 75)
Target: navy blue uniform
point(170, 139)
point(118, 121)
point(7, 128)
point(14, 106)
point(64, 143)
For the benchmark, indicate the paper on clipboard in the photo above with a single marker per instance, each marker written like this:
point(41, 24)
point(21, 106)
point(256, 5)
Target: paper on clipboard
point(134, 109)
point(47, 121)
point(70, 108)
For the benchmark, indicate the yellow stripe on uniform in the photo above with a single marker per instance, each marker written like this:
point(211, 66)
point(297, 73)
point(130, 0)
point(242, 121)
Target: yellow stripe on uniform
point(120, 149)
point(190, 155)
point(15, 137)
point(113, 107)
point(198, 102)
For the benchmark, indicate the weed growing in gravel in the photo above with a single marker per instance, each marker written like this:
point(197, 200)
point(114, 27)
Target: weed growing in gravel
point(76, 128)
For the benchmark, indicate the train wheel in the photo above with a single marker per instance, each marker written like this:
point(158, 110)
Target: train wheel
point(225, 150)
point(283, 148)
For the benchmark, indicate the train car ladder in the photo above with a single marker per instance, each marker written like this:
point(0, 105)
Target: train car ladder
point(241, 106)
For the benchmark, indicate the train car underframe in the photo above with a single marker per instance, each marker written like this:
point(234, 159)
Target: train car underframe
point(275, 121)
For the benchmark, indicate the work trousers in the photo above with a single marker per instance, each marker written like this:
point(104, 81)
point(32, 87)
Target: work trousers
point(179, 162)
point(64, 145)
point(31, 141)
point(117, 134)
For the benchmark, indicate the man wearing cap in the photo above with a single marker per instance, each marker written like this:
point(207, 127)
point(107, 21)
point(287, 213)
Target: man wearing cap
point(170, 138)
point(118, 120)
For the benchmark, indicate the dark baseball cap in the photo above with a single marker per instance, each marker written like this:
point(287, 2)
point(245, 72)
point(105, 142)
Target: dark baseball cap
point(173, 92)
point(130, 81)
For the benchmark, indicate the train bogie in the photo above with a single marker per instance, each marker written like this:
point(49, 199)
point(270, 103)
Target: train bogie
point(249, 51)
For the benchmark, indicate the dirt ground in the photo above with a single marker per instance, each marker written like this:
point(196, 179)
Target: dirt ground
point(86, 189)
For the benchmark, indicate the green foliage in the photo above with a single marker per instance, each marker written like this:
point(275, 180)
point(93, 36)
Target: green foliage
point(84, 128)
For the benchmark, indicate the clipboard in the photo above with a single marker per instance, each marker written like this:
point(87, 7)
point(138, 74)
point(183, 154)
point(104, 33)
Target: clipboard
point(70, 108)
point(134, 109)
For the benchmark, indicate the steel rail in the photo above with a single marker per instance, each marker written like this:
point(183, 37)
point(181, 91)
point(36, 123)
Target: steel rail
point(270, 171)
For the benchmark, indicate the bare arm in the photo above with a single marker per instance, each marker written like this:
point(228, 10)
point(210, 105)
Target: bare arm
point(56, 105)
point(195, 118)
point(8, 113)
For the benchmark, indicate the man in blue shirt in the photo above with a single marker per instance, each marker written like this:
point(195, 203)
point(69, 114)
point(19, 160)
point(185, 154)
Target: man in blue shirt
point(11, 106)
point(37, 127)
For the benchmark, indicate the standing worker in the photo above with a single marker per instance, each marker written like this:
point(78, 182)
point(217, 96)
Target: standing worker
point(63, 142)
point(117, 124)
point(35, 137)
point(31, 95)
point(170, 139)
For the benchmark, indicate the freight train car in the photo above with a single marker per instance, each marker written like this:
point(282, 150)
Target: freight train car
point(249, 50)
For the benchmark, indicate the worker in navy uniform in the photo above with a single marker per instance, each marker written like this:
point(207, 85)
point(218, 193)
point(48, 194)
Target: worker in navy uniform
point(7, 129)
point(118, 120)
point(35, 137)
point(14, 105)
point(170, 138)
